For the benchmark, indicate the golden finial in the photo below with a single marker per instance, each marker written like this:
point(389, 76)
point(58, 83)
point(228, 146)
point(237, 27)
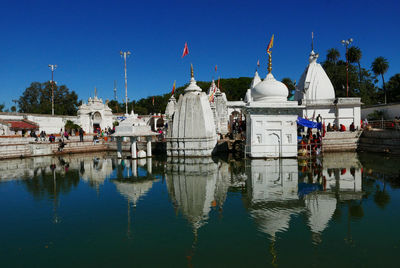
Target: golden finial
point(191, 71)
point(269, 62)
point(95, 91)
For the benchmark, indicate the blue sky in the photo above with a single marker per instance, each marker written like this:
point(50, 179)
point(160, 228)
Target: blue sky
point(84, 39)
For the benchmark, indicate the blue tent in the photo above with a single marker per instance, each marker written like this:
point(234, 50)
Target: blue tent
point(307, 123)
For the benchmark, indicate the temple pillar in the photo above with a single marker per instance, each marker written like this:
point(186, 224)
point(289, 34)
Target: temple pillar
point(155, 123)
point(119, 147)
point(134, 168)
point(149, 165)
point(133, 148)
point(148, 153)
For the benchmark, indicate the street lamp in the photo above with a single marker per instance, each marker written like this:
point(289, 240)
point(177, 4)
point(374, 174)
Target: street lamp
point(346, 43)
point(125, 54)
point(52, 68)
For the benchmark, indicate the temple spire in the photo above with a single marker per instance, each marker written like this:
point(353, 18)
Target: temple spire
point(269, 62)
point(95, 92)
point(312, 41)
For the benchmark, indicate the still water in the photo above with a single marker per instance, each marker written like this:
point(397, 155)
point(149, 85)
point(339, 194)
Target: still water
point(96, 211)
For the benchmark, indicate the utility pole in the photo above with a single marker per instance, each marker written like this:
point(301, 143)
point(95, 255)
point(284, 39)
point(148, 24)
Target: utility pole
point(52, 68)
point(346, 43)
point(125, 54)
point(115, 90)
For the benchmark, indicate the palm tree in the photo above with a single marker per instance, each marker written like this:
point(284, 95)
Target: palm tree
point(333, 55)
point(354, 56)
point(379, 67)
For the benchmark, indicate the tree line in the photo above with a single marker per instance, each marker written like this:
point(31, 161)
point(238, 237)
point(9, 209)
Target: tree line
point(363, 82)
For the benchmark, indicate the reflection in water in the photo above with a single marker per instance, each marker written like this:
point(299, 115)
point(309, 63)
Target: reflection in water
point(277, 194)
point(279, 189)
point(272, 190)
point(195, 186)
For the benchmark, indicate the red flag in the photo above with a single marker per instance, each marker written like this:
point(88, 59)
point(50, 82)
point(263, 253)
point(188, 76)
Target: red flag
point(185, 50)
point(258, 63)
point(173, 88)
point(153, 101)
point(215, 68)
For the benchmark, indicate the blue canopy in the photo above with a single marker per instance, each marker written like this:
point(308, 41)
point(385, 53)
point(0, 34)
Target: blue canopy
point(307, 123)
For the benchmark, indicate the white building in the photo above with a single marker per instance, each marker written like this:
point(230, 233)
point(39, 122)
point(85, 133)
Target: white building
point(271, 129)
point(315, 91)
point(95, 114)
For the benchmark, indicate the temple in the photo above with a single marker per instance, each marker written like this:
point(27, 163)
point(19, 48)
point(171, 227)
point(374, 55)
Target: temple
point(192, 130)
point(315, 91)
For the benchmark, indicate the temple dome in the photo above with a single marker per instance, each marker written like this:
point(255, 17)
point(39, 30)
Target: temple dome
point(314, 83)
point(270, 90)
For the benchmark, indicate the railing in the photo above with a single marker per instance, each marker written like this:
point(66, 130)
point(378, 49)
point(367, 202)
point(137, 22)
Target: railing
point(384, 124)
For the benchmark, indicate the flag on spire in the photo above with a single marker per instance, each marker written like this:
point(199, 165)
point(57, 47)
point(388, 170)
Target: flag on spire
point(153, 101)
point(185, 50)
point(258, 63)
point(215, 68)
point(173, 88)
point(270, 45)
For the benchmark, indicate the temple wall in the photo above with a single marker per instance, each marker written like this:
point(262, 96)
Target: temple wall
point(390, 110)
point(271, 136)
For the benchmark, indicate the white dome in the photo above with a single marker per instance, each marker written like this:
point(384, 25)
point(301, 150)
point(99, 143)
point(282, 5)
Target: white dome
point(270, 90)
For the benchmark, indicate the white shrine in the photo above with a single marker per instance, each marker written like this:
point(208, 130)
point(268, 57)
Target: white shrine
point(133, 128)
point(192, 130)
point(95, 114)
point(218, 102)
point(315, 91)
point(271, 129)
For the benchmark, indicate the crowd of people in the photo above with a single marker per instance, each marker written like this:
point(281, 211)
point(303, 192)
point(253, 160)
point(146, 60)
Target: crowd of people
point(310, 143)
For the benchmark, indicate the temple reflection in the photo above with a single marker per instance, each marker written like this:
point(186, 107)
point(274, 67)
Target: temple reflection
point(279, 189)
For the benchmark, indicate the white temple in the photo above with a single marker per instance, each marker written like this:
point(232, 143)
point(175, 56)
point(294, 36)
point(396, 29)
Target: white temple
point(95, 114)
point(271, 129)
point(192, 130)
point(219, 101)
point(315, 91)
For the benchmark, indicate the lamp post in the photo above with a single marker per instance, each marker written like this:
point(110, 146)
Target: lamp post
point(125, 54)
point(52, 68)
point(346, 43)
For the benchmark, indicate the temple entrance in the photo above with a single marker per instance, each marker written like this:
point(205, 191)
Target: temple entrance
point(96, 122)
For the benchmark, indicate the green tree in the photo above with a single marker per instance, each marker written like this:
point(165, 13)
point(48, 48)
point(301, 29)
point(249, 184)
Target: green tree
point(333, 55)
point(380, 66)
point(13, 109)
point(2, 107)
point(354, 55)
point(290, 85)
point(393, 88)
point(37, 99)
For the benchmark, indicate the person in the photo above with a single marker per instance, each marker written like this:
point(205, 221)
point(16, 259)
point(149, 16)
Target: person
point(52, 138)
point(329, 128)
point(352, 128)
point(319, 118)
point(81, 134)
point(95, 139)
point(61, 145)
point(66, 135)
point(342, 128)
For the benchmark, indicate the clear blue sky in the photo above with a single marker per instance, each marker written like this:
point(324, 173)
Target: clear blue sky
point(84, 39)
